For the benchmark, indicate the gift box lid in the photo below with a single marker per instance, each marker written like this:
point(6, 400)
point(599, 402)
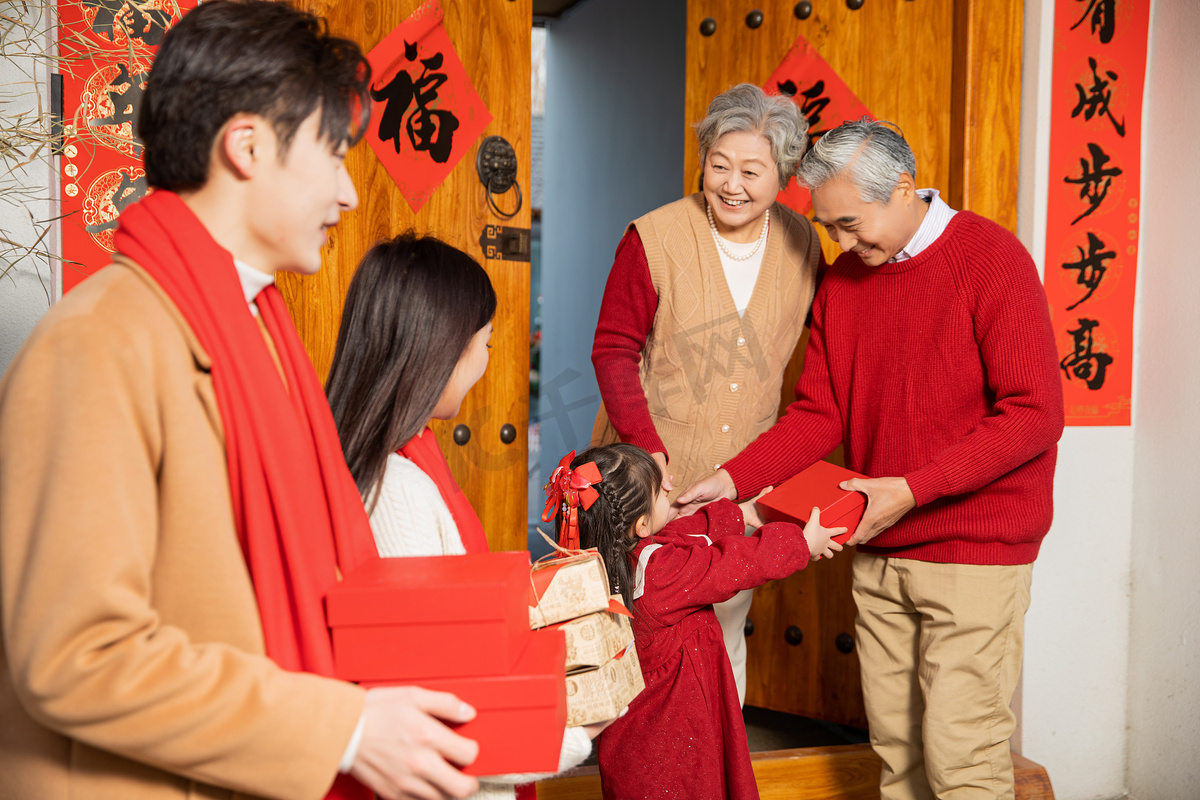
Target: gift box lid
point(793, 500)
point(565, 588)
point(431, 589)
point(595, 638)
point(597, 694)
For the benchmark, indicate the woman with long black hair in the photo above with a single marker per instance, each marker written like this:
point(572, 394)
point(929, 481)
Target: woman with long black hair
point(413, 341)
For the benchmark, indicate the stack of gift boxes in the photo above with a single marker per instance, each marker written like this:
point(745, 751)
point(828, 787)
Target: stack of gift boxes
point(466, 625)
point(603, 674)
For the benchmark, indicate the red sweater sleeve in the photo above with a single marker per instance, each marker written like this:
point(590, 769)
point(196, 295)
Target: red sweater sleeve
point(1016, 346)
point(681, 578)
point(626, 317)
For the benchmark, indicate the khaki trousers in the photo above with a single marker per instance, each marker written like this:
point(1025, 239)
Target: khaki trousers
point(732, 616)
point(940, 647)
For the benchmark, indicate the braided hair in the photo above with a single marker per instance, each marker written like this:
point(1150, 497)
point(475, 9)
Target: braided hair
point(630, 485)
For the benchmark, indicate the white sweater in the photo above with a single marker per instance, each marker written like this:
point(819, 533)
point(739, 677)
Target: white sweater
point(411, 519)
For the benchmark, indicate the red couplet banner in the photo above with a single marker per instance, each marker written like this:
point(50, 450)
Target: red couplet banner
point(106, 50)
point(426, 114)
point(1094, 201)
point(822, 95)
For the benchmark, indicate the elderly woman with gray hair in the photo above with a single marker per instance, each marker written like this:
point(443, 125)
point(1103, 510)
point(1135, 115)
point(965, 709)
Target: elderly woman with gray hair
point(705, 304)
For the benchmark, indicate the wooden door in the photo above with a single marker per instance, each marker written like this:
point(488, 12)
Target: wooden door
point(492, 39)
point(948, 73)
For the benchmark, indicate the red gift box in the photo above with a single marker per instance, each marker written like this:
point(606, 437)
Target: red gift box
point(521, 715)
point(437, 616)
point(794, 499)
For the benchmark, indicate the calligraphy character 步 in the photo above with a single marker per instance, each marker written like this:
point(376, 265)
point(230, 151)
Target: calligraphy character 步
point(1090, 265)
point(1094, 180)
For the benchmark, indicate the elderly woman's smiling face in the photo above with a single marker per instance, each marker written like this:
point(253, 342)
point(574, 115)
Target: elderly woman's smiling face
point(740, 183)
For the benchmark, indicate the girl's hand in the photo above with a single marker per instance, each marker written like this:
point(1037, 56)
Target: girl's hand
point(749, 509)
point(820, 539)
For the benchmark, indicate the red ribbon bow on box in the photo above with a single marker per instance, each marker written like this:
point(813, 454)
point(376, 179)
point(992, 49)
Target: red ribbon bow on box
point(566, 489)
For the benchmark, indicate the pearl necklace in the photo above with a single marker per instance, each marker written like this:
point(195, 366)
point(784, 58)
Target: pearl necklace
point(762, 237)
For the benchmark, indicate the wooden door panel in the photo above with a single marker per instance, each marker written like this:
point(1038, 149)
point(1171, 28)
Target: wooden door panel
point(493, 42)
point(947, 73)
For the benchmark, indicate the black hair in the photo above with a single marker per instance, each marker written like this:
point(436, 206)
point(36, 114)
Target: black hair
point(412, 308)
point(257, 57)
point(631, 483)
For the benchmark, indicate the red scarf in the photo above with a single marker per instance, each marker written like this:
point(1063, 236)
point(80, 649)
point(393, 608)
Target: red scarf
point(298, 514)
point(423, 451)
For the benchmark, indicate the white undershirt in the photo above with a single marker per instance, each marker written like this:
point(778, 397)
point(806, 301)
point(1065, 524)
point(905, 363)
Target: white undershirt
point(937, 217)
point(741, 275)
point(253, 281)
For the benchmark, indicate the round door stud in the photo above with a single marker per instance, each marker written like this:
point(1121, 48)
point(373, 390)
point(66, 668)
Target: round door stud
point(854, 5)
point(508, 434)
point(748, 628)
point(462, 435)
point(802, 10)
point(844, 642)
point(754, 19)
point(708, 27)
point(793, 635)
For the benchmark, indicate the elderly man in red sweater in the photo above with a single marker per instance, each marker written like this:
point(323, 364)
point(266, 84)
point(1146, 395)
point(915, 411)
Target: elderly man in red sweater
point(932, 358)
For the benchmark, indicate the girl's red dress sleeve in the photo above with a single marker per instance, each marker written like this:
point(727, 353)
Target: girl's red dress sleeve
point(682, 576)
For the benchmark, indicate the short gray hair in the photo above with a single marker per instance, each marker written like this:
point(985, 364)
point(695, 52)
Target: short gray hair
point(870, 154)
point(748, 109)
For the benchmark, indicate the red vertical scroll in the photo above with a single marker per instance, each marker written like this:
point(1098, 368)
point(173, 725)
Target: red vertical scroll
point(106, 48)
point(1094, 201)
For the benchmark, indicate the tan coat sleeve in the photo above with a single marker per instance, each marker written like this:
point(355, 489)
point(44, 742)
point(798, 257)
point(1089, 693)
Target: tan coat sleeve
point(128, 617)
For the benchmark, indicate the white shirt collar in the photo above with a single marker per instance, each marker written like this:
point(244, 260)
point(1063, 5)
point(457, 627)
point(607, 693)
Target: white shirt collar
point(253, 281)
point(937, 217)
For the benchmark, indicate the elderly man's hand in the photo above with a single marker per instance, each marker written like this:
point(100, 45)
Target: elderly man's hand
point(704, 491)
point(888, 499)
point(406, 752)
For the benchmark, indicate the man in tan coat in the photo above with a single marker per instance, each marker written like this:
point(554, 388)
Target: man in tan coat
point(160, 611)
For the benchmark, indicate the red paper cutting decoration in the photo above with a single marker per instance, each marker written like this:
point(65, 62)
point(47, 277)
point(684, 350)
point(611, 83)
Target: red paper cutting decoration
point(107, 47)
point(822, 95)
point(426, 114)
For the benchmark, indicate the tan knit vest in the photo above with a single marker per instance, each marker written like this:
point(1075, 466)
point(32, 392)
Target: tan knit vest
point(712, 379)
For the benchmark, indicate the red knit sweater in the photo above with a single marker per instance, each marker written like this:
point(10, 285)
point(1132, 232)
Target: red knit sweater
point(941, 369)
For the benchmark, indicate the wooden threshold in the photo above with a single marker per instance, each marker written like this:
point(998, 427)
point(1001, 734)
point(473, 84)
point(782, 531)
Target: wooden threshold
point(842, 772)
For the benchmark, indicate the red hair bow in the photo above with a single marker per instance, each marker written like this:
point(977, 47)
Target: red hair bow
point(565, 490)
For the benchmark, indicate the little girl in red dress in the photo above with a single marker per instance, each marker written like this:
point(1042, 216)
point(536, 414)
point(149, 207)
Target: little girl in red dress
point(683, 736)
